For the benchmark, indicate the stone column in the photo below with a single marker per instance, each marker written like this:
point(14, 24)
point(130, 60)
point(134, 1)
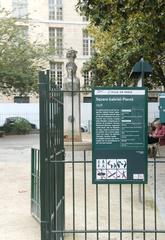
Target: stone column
point(71, 100)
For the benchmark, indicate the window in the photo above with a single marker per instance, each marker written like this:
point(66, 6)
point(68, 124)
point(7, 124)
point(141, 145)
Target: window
point(87, 78)
point(55, 10)
point(56, 73)
point(87, 99)
point(56, 40)
point(87, 44)
point(152, 99)
point(20, 8)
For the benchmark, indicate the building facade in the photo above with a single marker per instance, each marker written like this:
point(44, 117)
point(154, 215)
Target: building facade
point(55, 22)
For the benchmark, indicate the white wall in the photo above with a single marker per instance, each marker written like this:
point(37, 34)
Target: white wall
point(153, 111)
point(30, 111)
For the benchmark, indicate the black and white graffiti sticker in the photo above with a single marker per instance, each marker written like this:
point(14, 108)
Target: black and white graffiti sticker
point(111, 169)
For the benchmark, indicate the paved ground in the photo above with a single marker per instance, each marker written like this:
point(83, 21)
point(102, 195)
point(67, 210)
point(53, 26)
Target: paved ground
point(16, 222)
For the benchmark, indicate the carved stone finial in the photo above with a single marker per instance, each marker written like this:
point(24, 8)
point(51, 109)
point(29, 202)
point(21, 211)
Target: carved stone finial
point(71, 81)
point(71, 67)
point(71, 55)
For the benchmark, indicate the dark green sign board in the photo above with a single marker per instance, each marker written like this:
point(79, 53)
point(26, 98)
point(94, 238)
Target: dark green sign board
point(162, 107)
point(119, 135)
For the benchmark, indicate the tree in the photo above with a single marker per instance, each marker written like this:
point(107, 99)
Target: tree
point(19, 59)
point(125, 31)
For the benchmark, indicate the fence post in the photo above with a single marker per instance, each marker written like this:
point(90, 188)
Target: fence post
point(43, 87)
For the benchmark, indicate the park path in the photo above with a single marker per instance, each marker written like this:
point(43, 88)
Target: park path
point(16, 222)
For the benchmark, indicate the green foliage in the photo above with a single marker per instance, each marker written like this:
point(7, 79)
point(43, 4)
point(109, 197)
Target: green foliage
point(19, 126)
point(19, 59)
point(125, 31)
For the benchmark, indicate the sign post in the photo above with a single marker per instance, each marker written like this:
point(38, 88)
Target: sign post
point(119, 135)
point(162, 107)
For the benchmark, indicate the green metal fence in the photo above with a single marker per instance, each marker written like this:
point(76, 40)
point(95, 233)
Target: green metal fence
point(119, 212)
point(52, 175)
point(35, 184)
point(72, 208)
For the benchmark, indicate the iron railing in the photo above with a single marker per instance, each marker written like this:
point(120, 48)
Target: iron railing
point(35, 184)
point(107, 211)
point(72, 208)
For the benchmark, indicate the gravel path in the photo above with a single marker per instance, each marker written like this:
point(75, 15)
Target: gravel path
point(16, 222)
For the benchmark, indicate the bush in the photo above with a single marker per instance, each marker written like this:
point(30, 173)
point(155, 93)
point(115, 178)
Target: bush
point(1, 128)
point(19, 126)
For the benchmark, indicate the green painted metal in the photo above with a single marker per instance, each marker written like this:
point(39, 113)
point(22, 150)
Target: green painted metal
point(141, 68)
point(51, 157)
point(162, 107)
point(35, 184)
point(95, 203)
point(119, 135)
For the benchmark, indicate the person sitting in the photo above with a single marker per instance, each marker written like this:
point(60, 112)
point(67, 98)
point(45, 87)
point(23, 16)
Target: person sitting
point(160, 133)
point(156, 134)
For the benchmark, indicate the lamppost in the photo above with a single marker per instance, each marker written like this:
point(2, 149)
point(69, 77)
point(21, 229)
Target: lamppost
point(140, 70)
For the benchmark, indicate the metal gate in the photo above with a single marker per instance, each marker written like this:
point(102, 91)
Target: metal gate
point(72, 208)
point(52, 159)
